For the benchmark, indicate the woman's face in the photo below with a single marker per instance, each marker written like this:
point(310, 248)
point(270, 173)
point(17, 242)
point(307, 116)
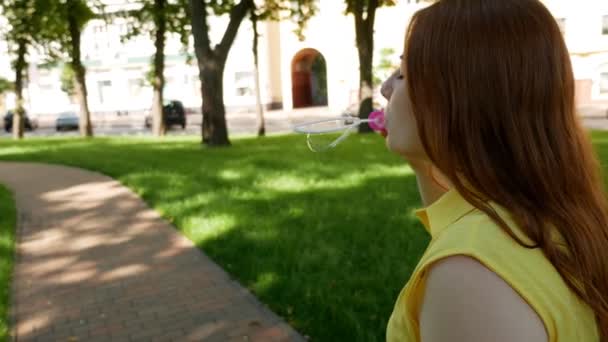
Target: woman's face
point(402, 137)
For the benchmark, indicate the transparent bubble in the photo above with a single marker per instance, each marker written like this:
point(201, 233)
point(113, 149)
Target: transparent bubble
point(329, 125)
point(320, 142)
point(326, 134)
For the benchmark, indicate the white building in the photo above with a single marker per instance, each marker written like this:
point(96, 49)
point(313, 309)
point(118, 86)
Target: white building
point(585, 27)
point(321, 70)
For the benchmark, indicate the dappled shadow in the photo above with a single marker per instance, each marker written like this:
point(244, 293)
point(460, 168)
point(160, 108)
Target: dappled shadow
point(333, 271)
point(93, 262)
point(327, 240)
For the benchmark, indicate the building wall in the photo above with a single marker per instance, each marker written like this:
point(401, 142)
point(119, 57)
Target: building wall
point(333, 35)
point(116, 70)
point(588, 45)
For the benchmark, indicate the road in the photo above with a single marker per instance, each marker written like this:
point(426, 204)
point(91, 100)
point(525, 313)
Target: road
point(238, 124)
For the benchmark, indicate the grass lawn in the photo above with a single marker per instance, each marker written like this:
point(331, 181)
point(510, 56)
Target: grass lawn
point(7, 238)
point(326, 240)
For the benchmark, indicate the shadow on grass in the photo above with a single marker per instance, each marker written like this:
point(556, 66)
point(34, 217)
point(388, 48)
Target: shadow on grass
point(7, 236)
point(327, 240)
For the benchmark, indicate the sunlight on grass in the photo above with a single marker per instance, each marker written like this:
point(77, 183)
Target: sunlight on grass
point(229, 175)
point(326, 240)
point(201, 229)
point(301, 182)
point(7, 241)
point(319, 237)
point(264, 282)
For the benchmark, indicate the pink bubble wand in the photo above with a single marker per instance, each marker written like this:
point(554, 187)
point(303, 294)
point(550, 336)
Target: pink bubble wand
point(346, 125)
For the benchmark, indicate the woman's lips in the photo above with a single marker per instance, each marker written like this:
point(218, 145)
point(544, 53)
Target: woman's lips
point(377, 122)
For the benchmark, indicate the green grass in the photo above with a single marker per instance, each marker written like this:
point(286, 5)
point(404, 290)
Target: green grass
point(7, 239)
point(327, 240)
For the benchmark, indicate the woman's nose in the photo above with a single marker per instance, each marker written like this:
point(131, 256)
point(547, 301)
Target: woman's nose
point(387, 88)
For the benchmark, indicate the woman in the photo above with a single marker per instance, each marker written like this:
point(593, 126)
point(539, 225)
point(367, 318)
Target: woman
point(483, 110)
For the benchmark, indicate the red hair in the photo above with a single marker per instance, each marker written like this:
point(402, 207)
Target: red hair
point(492, 89)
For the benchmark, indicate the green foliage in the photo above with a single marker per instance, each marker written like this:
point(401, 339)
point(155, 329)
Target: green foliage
point(25, 19)
point(354, 6)
point(8, 224)
point(326, 240)
point(149, 76)
point(141, 21)
point(387, 63)
point(5, 85)
point(221, 7)
point(299, 11)
point(55, 35)
point(67, 80)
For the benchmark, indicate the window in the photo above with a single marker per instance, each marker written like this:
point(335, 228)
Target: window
point(604, 83)
point(562, 24)
point(104, 88)
point(100, 37)
point(244, 83)
point(135, 86)
point(605, 25)
point(45, 88)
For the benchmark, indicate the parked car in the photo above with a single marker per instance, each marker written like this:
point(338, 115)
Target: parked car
point(67, 121)
point(173, 113)
point(29, 124)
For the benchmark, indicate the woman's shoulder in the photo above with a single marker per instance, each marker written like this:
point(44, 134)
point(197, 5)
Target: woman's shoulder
point(466, 301)
point(474, 257)
point(476, 230)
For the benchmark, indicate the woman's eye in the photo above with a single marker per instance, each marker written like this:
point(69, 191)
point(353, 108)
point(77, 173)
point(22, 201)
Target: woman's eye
point(400, 76)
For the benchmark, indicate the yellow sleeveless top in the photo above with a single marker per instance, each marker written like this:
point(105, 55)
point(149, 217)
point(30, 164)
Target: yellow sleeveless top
point(458, 228)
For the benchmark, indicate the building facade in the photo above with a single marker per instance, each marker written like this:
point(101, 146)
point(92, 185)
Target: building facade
point(321, 70)
point(584, 24)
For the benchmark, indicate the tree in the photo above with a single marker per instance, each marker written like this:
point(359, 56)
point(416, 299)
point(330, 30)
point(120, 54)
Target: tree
point(24, 18)
point(259, 110)
point(5, 86)
point(77, 13)
point(212, 60)
point(157, 18)
point(67, 80)
point(63, 25)
point(386, 65)
point(300, 11)
point(364, 13)
point(211, 63)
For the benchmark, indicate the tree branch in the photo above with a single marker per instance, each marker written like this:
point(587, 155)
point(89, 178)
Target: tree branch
point(371, 15)
point(200, 28)
point(358, 13)
point(237, 14)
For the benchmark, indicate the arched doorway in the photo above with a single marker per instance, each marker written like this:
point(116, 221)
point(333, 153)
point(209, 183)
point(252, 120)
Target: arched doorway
point(308, 79)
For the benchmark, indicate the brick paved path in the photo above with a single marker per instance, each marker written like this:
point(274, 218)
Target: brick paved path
point(94, 263)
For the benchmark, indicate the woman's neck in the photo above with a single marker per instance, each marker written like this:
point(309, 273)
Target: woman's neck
point(432, 184)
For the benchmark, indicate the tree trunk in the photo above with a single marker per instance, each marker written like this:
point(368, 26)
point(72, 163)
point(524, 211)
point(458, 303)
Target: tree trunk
point(2, 103)
point(366, 88)
point(211, 62)
point(158, 122)
point(80, 86)
point(364, 29)
point(214, 128)
point(256, 73)
point(18, 113)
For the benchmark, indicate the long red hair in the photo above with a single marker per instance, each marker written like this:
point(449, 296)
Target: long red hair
point(492, 89)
